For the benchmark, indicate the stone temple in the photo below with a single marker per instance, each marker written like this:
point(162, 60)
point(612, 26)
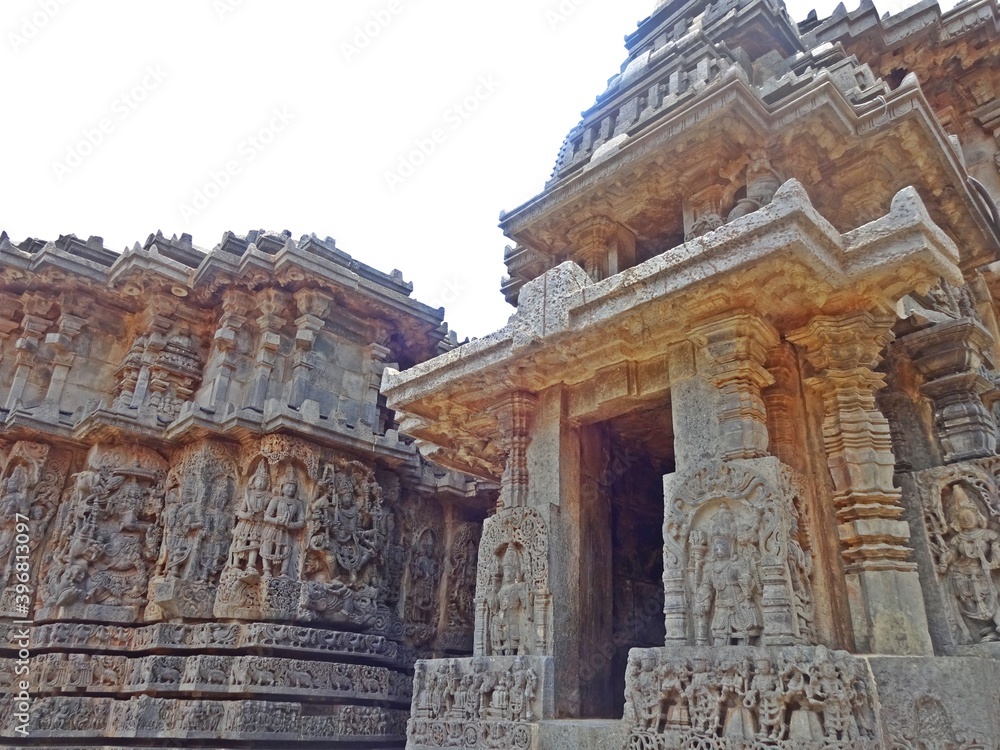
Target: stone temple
point(728, 479)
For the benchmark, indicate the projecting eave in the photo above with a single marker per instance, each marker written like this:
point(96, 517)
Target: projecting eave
point(785, 261)
point(862, 151)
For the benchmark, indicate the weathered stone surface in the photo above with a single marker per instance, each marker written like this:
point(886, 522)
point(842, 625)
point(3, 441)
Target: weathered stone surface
point(211, 530)
point(755, 309)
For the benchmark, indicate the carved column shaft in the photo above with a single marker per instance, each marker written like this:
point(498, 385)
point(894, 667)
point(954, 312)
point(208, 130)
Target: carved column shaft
point(33, 327)
point(267, 359)
point(605, 247)
point(737, 347)
point(224, 356)
point(313, 307)
point(514, 420)
point(886, 600)
point(9, 306)
point(62, 343)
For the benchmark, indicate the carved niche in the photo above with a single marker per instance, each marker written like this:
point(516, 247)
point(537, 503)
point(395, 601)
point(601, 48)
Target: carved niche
point(161, 370)
point(259, 579)
point(513, 603)
point(961, 513)
point(461, 588)
point(349, 531)
point(33, 477)
point(107, 539)
point(197, 523)
point(310, 539)
point(424, 528)
point(735, 570)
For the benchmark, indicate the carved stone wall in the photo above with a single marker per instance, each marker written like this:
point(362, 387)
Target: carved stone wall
point(735, 571)
point(513, 615)
point(211, 533)
point(789, 698)
point(486, 703)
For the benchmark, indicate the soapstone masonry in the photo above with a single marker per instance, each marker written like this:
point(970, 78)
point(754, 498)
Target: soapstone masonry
point(745, 417)
point(211, 530)
point(728, 479)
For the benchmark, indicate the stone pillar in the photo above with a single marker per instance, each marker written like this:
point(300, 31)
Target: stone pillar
point(514, 421)
point(553, 466)
point(605, 247)
point(9, 305)
point(887, 606)
point(269, 347)
point(224, 358)
point(61, 342)
point(370, 414)
point(953, 356)
point(737, 346)
point(34, 324)
point(313, 307)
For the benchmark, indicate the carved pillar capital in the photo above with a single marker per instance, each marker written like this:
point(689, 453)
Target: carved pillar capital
point(737, 346)
point(845, 342)
point(604, 246)
point(952, 356)
point(513, 416)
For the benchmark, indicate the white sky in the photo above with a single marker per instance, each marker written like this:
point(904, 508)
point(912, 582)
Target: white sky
point(332, 110)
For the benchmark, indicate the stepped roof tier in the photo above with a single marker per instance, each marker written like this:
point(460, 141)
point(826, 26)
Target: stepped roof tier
point(698, 114)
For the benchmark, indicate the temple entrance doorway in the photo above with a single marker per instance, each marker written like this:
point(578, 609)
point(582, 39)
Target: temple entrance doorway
point(640, 451)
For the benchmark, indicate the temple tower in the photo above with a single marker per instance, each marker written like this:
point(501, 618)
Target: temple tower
point(755, 314)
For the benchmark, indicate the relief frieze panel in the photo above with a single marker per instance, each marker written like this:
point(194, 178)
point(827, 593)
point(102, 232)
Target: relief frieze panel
point(513, 604)
point(34, 476)
point(783, 698)
point(961, 517)
point(736, 572)
point(107, 538)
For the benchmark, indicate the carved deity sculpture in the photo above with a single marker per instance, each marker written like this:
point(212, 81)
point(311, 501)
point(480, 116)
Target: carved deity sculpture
point(828, 692)
point(352, 542)
point(111, 535)
point(424, 572)
point(727, 588)
point(510, 607)
point(767, 694)
point(184, 525)
point(969, 559)
point(13, 501)
point(245, 548)
point(284, 514)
